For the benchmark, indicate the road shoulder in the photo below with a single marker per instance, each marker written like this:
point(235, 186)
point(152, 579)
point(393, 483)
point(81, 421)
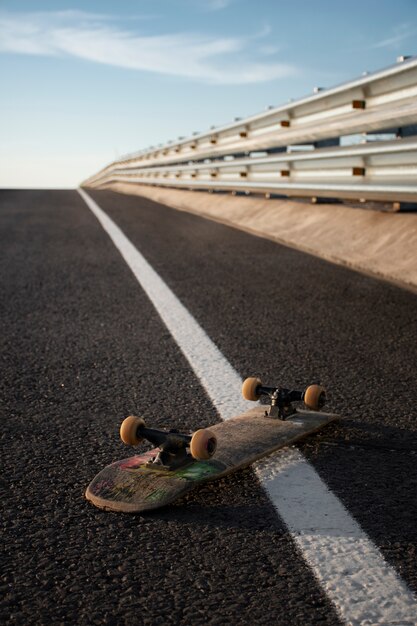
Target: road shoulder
point(378, 243)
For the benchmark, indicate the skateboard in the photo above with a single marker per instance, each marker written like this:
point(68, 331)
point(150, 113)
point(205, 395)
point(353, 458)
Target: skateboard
point(180, 461)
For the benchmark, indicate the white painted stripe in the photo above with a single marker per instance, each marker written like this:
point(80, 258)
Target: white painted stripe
point(364, 589)
point(352, 571)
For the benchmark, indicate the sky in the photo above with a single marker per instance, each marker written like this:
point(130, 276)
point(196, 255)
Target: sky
point(85, 82)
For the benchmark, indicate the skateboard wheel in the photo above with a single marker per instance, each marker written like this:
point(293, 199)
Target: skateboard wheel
point(129, 430)
point(249, 389)
point(203, 444)
point(315, 397)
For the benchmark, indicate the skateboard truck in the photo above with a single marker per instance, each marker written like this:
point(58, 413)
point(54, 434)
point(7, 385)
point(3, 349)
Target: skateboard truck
point(172, 444)
point(314, 397)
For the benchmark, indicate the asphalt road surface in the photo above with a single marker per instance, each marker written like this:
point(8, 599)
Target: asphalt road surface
point(82, 347)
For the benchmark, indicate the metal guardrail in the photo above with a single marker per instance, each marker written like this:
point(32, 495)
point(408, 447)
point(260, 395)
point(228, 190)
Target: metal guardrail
point(379, 171)
point(384, 170)
point(387, 191)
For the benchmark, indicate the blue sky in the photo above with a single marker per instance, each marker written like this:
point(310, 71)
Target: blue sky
point(85, 82)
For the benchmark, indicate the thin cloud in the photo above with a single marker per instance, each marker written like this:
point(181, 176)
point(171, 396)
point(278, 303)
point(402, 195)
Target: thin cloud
point(269, 50)
point(401, 33)
point(90, 37)
point(218, 5)
point(211, 5)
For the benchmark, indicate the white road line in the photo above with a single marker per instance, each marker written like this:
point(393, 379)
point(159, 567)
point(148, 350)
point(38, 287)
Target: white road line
point(351, 570)
point(364, 589)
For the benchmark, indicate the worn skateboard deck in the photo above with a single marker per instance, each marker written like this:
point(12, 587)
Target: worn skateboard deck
point(131, 486)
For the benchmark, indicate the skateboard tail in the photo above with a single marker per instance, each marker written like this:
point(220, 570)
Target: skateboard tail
point(133, 485)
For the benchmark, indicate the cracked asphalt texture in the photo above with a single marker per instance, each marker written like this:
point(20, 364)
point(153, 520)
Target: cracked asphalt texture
point(82, 347)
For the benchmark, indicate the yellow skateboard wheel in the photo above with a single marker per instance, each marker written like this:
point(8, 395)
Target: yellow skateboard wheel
point(203, 444)
point(315, 397)
point(129, 429)
point(249, 389)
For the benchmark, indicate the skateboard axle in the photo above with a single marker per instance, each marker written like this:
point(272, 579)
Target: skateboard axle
point(171, 438)
point(172, 444)
point(281, 399)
